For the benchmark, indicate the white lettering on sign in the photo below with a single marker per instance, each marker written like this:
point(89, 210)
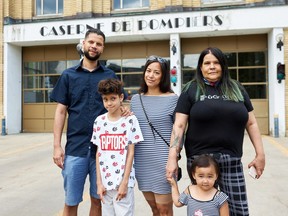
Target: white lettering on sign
point(139, 25)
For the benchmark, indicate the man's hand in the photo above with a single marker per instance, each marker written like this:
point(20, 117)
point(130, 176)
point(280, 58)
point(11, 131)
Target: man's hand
point(58, 157)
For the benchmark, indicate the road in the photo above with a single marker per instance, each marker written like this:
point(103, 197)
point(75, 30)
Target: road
point(31, 185)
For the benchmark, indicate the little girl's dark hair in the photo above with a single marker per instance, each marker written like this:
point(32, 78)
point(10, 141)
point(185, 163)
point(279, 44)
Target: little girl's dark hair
point(204, 160)
point(110, 86)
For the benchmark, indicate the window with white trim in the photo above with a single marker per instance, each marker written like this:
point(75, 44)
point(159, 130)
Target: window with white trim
point(129, 4)
point(49, 7)
point(249, 68)
point(211, 3)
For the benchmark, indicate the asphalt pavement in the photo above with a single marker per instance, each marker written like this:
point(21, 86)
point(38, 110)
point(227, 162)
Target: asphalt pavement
point(31, 185)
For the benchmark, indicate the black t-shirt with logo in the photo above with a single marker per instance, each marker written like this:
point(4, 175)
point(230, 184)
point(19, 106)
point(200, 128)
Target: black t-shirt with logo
point(215, 124)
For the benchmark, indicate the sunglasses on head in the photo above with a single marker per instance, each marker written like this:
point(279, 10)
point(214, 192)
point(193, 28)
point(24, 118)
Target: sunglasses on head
point(156, 58)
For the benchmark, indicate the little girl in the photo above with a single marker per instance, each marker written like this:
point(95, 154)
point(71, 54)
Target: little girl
point(202, 197)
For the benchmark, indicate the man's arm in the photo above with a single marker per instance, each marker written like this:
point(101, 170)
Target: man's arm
point(59, 121)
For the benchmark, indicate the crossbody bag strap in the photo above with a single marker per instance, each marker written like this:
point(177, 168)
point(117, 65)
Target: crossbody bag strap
point(153, 128)
point(149, 122)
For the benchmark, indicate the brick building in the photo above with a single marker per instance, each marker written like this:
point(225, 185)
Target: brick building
point(39, 39)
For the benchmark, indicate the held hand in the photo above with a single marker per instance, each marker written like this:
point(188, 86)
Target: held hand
point(259, 164)
point(171, 168)
point(172, 181)
point(58, 157)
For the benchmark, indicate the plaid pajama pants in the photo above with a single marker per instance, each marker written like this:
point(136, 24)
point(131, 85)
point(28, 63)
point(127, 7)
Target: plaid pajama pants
point(231, 182)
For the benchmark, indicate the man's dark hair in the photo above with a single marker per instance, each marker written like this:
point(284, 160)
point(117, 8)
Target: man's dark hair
point(95, 31)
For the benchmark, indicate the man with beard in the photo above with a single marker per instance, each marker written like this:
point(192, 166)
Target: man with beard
point(76, 93)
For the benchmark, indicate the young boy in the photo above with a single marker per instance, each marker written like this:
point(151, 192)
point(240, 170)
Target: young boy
point(115, 137)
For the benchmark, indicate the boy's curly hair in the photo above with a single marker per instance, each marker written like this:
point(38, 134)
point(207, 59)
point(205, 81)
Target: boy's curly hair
point(110, 86)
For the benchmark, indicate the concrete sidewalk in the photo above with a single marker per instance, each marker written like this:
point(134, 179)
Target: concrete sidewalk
point(267, 195)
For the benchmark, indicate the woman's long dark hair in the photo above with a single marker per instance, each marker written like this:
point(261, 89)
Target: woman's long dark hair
point(228, 86)
point(164, 84)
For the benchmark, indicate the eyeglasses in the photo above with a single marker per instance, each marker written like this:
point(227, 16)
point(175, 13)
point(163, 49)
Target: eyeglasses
point(156, 58)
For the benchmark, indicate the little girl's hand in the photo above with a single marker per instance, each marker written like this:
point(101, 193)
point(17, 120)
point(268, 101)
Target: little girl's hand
point(171, 180)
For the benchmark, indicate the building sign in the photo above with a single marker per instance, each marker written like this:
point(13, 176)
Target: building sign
point(129, 26)
point(134, 25)
point(146, 27)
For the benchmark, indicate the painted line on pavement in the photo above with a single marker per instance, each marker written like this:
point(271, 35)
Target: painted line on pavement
point(278, 145)
point(26, 148)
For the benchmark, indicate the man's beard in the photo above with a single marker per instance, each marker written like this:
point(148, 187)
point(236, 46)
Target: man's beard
point(91, 58)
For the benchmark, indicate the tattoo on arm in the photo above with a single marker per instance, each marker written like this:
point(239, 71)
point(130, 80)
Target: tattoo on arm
point(176, 140)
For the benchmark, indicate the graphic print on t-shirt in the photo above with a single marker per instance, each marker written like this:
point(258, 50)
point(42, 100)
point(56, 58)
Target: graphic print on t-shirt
point(112, 142)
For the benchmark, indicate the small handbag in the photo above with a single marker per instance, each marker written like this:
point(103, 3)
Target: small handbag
point(179, 175)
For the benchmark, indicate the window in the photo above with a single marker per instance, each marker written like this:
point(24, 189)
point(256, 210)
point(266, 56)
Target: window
point(49, 7)
point(39, 78)
point(213, 3)
point(129, 72)
point(189, 64)
point(128, 4)
point(249, 68)
point(252, 73)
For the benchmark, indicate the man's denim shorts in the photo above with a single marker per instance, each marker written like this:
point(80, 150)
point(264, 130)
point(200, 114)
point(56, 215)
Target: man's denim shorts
point(74, 173)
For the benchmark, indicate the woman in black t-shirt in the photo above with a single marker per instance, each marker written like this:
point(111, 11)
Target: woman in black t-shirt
point(216, 110)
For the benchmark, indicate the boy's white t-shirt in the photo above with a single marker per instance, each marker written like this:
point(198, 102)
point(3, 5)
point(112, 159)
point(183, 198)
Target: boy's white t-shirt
point(112, 139)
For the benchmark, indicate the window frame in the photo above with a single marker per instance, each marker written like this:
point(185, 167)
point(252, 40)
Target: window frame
point(237, 70)
point(215, 3)
point(39, 79)
point(134, 8)
point(50, 14)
